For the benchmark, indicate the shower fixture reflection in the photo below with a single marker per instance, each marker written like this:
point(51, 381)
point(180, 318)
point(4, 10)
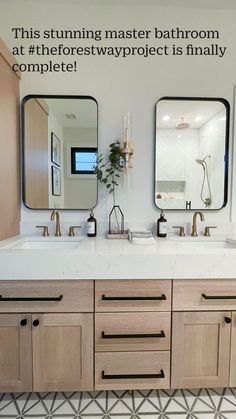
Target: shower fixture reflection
point(205, 181)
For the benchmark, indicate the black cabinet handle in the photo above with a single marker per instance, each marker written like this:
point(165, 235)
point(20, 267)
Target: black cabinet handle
point(107, 298)
point(133, 335)
point(131, 376)
point(35, 323)
point(31, 298)
point(219, 297)
point(23, 322)
point(227, 320)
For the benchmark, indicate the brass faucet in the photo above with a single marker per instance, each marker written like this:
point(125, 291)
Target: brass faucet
point(54, 214)
point(194, 226)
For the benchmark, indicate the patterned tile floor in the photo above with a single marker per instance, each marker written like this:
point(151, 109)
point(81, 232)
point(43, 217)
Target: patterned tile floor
point(148, 404)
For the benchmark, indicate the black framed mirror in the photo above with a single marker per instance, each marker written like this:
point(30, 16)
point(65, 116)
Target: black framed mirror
point(60, 142)
point(191, 153)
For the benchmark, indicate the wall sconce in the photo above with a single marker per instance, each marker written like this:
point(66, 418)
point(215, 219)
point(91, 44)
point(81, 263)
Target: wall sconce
point(126, 144)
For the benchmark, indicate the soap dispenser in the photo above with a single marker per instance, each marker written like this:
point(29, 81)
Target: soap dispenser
point(91, 225)
point(162, 226)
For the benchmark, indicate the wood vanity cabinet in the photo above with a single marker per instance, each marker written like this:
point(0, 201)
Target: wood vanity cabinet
point(204, 338)
point(132, 334)
point(46, 351)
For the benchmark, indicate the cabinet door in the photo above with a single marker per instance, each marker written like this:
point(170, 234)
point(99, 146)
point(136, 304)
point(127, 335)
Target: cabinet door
point(15, 353)
point(200, 349)
point(62, 352)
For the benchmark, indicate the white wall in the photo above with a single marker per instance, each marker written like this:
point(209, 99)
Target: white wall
point(179, 151)
point(55, 127)
point(80, 189)
point(212, 143)
point(133, 84)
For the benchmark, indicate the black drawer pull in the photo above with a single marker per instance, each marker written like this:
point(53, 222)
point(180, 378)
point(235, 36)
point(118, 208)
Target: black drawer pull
point(35, 323)
point(219, 297)
point(160, 297)
point(132, 376)
point(31, 298)
point(134, 336)
point(23, 322)
point(227, 320)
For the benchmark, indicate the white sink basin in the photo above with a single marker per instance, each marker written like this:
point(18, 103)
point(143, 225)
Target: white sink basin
point(224, 244)
point(44, 243)
point(193, 243)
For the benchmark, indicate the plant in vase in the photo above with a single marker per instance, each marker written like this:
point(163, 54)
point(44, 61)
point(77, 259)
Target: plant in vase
point(109, 172)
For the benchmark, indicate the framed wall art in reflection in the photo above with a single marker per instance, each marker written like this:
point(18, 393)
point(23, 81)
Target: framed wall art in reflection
point(56, 181)
point(55, 149)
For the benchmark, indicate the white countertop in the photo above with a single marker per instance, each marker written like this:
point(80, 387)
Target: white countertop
point(99, 258)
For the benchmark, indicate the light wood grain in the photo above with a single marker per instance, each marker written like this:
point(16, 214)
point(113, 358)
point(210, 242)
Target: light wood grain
point(8, 57)
point(63, 352)
point(132, 323)
point(131, 288)
point(232, 379)
point(200, 349)
point(9, 150)
point(15, 353)
point(36, 155)
point(43, 105)
point(77, 296)
point(132, 363)
point(187, 294)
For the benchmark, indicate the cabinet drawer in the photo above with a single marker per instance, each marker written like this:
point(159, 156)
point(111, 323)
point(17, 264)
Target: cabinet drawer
point(46, 296)
point(132, 331)
point(132, 370)
point(204, 295)
point(132, 295)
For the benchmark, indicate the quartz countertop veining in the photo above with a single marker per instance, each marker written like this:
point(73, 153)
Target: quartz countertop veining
point(99, 258)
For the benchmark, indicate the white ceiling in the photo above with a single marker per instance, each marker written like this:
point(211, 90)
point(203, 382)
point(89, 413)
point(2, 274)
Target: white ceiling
point(187, 109)
point(85, 111)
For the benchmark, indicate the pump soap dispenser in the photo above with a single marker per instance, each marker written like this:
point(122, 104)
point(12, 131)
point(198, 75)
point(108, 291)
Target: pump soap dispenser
point(91, 225)
point(162, 226)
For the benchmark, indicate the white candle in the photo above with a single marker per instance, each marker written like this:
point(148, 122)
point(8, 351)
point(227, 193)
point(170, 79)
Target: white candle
point(124, 127)
point(128, 127)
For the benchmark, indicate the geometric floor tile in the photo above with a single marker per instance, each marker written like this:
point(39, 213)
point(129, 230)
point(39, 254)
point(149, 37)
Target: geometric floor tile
point(138, 404)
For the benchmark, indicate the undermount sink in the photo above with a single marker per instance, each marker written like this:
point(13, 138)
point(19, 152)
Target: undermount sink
point(44, 243)
point(206, 243)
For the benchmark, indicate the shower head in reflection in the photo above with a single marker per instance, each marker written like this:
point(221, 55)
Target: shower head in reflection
point(203, 161)
point(182, 125)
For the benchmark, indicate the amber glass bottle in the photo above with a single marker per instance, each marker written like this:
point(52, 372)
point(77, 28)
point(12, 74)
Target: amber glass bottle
point(162, 226)
point(91, 225)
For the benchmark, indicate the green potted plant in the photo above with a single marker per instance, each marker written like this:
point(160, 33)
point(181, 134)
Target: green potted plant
point(109, 172)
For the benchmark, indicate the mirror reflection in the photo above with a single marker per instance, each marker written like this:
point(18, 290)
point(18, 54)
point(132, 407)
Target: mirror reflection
point(60, 152)
point(191, 153)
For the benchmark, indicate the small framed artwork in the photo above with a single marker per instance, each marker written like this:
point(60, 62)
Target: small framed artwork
point(56, 181)
point(55, 149)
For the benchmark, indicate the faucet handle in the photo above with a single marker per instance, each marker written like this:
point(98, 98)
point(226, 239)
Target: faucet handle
point(45, 230)
point(72, 230)
point(207, 230)
point(181, 230)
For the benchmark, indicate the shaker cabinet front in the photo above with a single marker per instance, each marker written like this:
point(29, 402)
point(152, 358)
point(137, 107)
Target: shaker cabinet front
point(46, 352)
point(62, 352)
point(200, 349)
point(15, 352)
